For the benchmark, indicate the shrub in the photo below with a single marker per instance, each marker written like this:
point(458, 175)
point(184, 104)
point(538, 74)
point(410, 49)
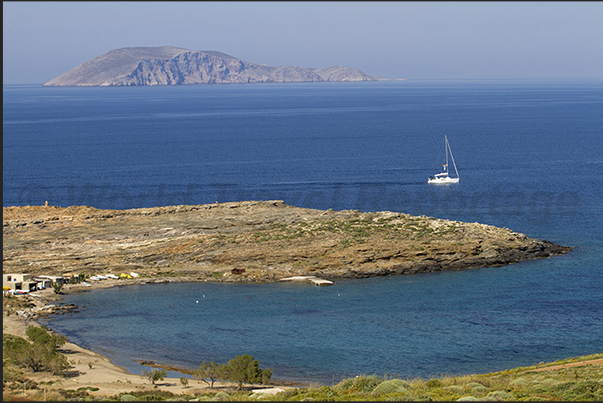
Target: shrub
point(10, 375)
point(152, 395)
point(207, 372)
point(345, 384)
point(57, 287)
point(39, 354)
point(550, 381)
point(501, 395)
point(455, 389)
point(480, 389)
point(244, 369)
point(391, 386)
point(364, 384)
point(519, 382)
point(222, 396)
point(129, 398)
point(155, 375)
point(581, 391)
point(367, 384)
point(434, 383)
point(401, 383)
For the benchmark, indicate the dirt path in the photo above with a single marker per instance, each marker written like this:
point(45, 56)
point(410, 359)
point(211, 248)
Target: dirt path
point(569, 365)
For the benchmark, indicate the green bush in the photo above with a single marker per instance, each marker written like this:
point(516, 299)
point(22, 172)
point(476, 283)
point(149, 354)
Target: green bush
point(129, 398)
point(363, 384)
point(222, 396)
point(480, 389)
point(57, 287)
point(90, 388)
point(208, 373)
point(244, 369)
point(519, 382)
point(39, 354)
point(584, 390)
point(550, 381)
point(434, 383)
point(391, 386)
point(155, 375)
point(152, 395)
point(501, 395)
point(401, 383)
point(10, 375)
point(345, 384)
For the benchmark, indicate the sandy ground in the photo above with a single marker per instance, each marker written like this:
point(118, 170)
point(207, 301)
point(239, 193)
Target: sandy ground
point(569, 365)
point(89, 369)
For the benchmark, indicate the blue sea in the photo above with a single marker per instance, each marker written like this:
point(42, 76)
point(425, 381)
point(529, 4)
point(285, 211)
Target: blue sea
point(530, 158)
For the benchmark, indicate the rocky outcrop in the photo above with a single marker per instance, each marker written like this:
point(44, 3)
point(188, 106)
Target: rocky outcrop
point(264, 240)
point(169, 65)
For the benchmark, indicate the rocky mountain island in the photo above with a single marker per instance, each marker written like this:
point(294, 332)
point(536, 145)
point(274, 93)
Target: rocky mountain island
point(251, 241)
point(168, 65)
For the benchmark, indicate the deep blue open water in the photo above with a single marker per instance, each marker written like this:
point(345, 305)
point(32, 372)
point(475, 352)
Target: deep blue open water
point(530, 157)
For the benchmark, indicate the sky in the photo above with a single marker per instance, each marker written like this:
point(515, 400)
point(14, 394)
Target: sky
point(411, 40)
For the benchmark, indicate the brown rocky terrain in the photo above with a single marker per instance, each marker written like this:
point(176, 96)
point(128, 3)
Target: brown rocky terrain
point(264, 240)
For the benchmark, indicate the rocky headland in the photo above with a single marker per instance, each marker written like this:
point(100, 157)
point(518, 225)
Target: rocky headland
point(168, 65)
point(251, 241)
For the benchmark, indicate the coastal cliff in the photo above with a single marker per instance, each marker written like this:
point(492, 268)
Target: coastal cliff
point(252, 241)
point(168, 65)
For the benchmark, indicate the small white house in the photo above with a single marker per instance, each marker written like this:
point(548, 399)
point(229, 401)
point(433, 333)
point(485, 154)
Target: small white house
point(42, 282)
point(53, 279)
point(19, 281)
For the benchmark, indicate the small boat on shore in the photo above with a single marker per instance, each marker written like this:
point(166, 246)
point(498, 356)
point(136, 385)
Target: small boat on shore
point(444, 177)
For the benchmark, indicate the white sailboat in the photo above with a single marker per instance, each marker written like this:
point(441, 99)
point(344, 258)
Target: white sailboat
point(444, 177)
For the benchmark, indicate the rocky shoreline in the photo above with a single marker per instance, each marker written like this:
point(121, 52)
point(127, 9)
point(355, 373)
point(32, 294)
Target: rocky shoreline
point(251, 241)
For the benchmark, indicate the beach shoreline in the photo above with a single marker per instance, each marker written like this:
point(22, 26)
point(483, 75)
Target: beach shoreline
point(93, 370)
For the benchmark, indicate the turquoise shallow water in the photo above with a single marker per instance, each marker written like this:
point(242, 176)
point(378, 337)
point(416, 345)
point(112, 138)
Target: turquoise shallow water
point(529, 156)
point(419, 325)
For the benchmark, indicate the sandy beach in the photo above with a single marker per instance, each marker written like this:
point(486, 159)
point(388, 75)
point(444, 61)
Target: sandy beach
point(90, 369)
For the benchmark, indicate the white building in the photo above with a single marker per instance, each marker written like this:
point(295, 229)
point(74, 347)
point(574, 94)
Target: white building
point(19, 281)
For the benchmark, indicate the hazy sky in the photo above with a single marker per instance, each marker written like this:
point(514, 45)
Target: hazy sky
point(412, 40)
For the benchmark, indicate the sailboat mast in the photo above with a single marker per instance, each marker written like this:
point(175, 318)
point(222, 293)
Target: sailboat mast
point(451, 156)
point(446, 146)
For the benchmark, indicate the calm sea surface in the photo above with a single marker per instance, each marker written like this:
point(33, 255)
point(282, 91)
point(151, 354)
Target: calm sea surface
point(530, 157)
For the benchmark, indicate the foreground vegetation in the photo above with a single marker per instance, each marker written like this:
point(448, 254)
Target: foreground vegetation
point(574, 379)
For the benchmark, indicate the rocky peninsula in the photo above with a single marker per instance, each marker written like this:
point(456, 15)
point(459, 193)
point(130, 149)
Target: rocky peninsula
point(169, 65)
point(252, 241)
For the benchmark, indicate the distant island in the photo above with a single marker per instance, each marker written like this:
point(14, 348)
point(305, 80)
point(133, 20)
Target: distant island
point(168, 65)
